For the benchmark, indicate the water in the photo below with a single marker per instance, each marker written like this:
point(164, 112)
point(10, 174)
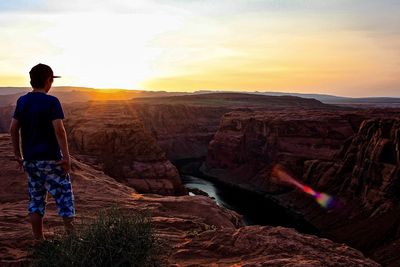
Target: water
point(255, 209)
point(220, 196)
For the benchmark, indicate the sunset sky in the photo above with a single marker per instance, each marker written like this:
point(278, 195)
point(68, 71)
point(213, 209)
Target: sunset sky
point(341, 47)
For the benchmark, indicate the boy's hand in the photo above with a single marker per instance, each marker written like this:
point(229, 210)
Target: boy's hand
point(65, 164)
point(19, 160)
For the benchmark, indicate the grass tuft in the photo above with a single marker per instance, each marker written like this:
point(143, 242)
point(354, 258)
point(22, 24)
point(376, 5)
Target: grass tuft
point(114, 238)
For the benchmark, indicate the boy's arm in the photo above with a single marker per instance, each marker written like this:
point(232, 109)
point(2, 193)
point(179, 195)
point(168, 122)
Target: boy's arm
point(14, 131)
point(62, 142)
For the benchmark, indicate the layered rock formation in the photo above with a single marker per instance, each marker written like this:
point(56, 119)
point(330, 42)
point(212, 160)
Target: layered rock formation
point(248, 144)
point(182, 131)
point(365, 178)
point(133, 141)
point(112, 135)
point(361, 172)
point(200, 232)
point(184, 125)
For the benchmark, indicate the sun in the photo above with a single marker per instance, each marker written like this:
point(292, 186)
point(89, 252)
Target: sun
point(106, 50)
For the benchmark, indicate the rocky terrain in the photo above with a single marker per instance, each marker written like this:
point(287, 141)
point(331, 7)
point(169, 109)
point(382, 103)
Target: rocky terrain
point(200, 232)
point(130, 144)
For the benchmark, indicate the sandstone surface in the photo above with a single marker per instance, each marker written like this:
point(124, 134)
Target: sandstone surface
point(5, 118)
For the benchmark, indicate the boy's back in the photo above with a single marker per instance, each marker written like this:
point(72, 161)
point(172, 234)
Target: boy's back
point(35, 112)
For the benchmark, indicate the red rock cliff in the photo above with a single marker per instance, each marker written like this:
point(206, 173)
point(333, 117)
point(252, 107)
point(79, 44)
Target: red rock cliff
point(362, 172)
point(112, 135)
point(365, 178)
point(182, 131)
point(248, 144)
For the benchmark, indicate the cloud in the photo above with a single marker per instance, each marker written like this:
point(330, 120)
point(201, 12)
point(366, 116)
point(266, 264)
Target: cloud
point(20, 5)
point(254, 43)
point(41, 7)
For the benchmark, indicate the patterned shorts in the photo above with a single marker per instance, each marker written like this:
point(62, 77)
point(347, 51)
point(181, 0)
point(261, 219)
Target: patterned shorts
point(46, 176)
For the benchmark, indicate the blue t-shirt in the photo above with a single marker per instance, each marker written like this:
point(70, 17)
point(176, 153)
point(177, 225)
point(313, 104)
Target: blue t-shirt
point(35, 113)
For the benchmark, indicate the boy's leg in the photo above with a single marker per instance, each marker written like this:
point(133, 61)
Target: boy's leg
point(37, 198)
point(69, 225)
point(59, 186)
point(37, 225)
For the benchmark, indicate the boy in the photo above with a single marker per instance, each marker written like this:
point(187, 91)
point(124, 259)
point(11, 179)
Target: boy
point(38, 117)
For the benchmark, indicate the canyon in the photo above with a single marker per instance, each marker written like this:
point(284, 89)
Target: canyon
point(199, 232)
point(131, 145)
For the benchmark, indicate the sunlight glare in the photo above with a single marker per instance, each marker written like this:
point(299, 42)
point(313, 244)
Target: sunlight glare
point(106, 50)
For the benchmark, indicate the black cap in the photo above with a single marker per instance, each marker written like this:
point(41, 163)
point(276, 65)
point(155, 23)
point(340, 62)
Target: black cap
point(41, 72)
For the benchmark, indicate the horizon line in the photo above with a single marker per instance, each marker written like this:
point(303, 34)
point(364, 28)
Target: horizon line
point(199, 91)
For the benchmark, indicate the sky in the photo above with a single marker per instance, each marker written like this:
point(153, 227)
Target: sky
point(340, 47)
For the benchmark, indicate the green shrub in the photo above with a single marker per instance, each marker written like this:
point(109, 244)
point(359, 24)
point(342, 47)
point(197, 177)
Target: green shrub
point(114, 238)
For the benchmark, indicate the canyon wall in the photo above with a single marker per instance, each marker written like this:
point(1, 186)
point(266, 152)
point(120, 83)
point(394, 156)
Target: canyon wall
point(112, 136)
point(134, 141)
point(182, 131)
point(249, 144)
point(184, 125)
point(365, 179)
point(344, 154)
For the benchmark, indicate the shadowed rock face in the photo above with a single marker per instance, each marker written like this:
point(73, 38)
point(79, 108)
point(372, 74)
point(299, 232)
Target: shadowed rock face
point(200, 232)
point(365, 177)
point(361, 172)
point(368, 166)
point(181, 131)
point(248, 144)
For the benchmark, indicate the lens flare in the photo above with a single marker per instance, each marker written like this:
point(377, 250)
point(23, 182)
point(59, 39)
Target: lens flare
point(323, 199)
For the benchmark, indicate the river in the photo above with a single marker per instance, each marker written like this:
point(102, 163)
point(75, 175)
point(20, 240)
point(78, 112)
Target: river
point(256, 209)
